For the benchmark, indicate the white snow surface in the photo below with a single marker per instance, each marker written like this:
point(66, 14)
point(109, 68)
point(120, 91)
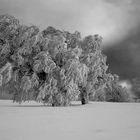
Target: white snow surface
point(94, 121)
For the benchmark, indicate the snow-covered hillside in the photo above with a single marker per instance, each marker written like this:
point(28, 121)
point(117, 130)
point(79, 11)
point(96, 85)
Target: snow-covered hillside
point(95, 121)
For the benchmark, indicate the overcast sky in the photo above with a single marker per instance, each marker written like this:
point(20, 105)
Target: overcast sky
point(118, 21)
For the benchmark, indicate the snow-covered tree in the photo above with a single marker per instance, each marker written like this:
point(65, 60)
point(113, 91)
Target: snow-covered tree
point(51, 66)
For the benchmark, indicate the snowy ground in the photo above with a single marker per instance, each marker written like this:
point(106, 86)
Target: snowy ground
point(95, 121)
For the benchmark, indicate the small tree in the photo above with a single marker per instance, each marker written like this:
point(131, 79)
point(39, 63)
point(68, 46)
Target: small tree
point(136, 87)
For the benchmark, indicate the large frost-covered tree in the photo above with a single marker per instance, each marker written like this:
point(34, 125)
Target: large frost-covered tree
point(51, 66)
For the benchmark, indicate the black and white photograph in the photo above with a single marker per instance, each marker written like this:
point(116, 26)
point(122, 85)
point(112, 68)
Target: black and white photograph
point(69, 69)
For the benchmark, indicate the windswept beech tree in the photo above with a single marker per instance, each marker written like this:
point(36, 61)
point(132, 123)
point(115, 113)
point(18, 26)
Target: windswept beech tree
point(50, 66)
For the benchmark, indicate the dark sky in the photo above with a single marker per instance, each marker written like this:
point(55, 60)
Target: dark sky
point(118, 21)
point(124, 56)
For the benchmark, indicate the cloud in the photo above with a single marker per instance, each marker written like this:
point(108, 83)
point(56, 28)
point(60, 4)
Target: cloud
point(108, 18)
point(124, 56)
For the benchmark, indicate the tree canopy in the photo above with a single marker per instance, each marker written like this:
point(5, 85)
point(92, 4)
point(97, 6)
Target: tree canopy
point(50, 66)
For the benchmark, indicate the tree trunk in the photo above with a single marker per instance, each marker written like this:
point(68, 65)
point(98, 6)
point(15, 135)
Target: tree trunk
point(84, 95)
